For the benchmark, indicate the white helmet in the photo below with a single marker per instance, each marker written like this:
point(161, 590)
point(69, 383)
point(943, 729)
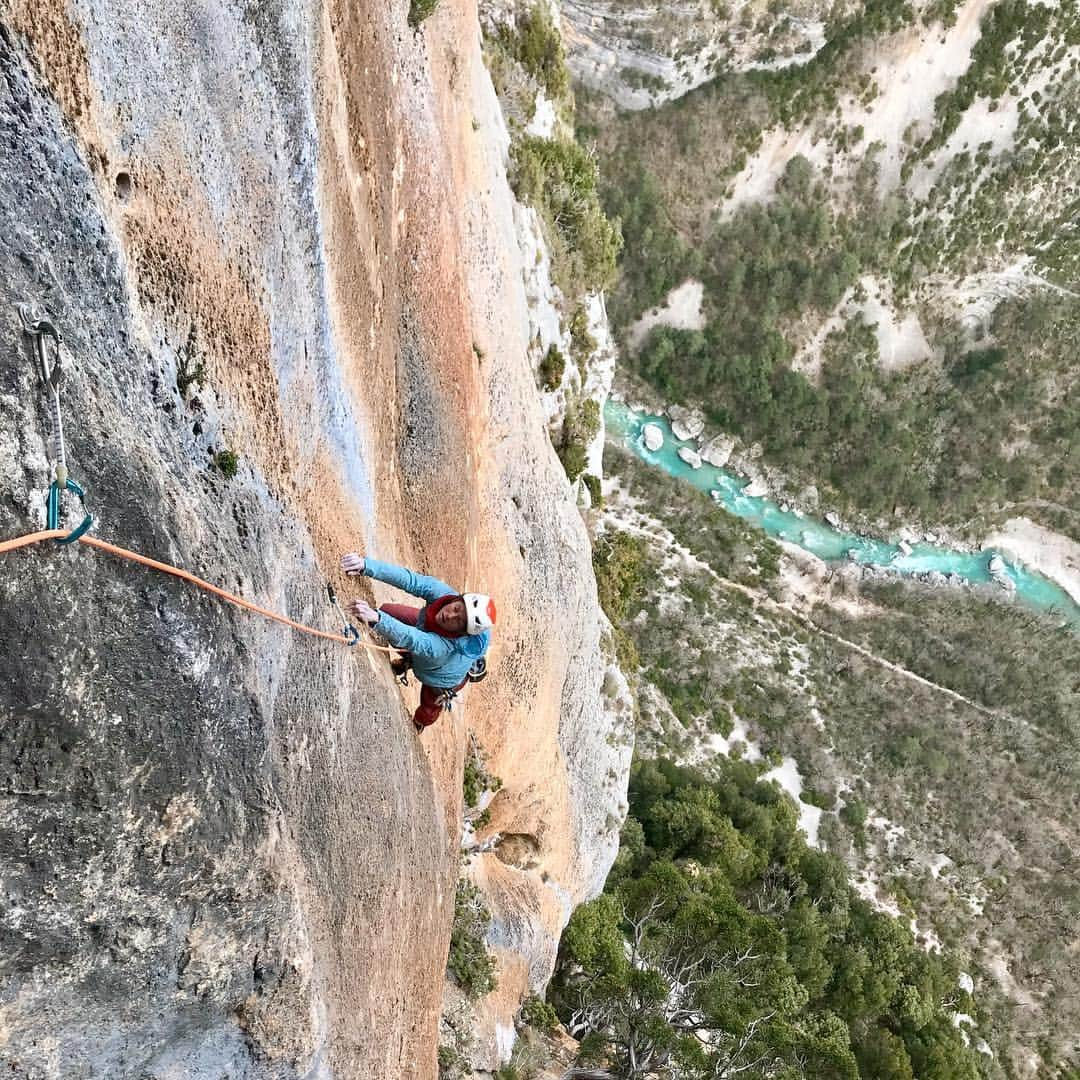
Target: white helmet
point(479, 611)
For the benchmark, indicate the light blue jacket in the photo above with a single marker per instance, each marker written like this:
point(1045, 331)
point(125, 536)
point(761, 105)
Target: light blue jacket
point(437, 661)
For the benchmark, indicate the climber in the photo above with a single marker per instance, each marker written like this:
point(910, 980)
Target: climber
point(443, 642)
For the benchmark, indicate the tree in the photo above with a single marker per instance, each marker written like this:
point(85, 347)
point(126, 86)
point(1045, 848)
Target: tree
point(726, 947)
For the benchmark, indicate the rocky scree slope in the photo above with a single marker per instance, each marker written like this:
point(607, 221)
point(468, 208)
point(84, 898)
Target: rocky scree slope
point(223, 848)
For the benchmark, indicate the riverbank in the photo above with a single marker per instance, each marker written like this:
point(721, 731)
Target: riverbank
point(1051, 554)
point(676, 446)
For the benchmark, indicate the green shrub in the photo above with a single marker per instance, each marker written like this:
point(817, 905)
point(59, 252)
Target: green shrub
point(580, 426)
point(975, 362)
point(453, 1065)
point(619, 565)
point(469, 963)
point(825, 800)
point(596, 496)
point(854, 814)
point(538, 1014)
point(539, 47)
point(552, 368)
point(573, 457)
point(227, 463)
point(477, 779)
point(582, 343)
point(419, 10)
point(588, 420)
point(558, 177)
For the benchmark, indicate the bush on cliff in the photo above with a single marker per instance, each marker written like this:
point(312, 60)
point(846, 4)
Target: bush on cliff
point(558, 177)
point(724, 944)
point(419, 10)
point(469, 962)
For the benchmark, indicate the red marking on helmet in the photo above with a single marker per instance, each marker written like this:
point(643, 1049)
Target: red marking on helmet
point(491, 611)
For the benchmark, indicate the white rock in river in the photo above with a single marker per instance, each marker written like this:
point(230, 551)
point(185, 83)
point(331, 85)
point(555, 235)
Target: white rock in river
point(755, 490)
point(996, 566)
point(905, 548)
point(654, 437)
point(685, 423)
point(833, 519)
point(691, 457)
point(930, 538)
point(717, 450)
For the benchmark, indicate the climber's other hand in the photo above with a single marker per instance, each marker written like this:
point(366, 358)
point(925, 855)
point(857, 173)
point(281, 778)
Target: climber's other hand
point(363, 611)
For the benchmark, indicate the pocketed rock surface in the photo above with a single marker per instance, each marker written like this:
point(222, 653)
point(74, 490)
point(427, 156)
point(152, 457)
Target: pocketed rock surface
point(224, 851)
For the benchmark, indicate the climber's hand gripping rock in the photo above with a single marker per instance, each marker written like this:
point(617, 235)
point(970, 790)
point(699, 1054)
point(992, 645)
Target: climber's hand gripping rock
point(364, 612)
point(352, 564)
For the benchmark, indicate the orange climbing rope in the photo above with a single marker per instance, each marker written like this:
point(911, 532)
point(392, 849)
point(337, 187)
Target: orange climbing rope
point(175, 571)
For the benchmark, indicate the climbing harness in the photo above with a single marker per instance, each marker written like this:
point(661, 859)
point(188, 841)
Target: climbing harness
point(40, 329)
point(403, 665)
point(51, 376)
point(446, 699)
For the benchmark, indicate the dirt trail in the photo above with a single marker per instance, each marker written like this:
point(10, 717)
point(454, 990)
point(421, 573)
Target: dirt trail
point(648, 528)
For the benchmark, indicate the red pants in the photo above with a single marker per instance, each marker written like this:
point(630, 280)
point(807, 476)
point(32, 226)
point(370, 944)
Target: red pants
point(429, 709)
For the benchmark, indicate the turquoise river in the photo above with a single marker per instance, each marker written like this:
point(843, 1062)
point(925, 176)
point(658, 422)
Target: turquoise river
point(819, 538)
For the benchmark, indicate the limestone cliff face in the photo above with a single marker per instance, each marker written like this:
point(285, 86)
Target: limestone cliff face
point(279, 230)
point(643, 54)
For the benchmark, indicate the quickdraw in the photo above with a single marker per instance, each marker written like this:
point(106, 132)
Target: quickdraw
point(41, 329)
point(352, 635)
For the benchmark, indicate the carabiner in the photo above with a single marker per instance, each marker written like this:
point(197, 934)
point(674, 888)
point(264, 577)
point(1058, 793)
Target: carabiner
point(39, 327)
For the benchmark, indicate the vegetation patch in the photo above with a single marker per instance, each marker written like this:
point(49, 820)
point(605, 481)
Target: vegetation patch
point(537, 1013)
point(226, 462)
point(580, 426)
point(470, 964)
point(419, 10)
point(552, 368)
point(536, 44)
point(723, 943)
point(477, 781)
point(558, 177)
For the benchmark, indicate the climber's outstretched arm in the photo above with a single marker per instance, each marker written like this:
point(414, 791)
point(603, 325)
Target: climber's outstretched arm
point(427, 588)
point(412, 640)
